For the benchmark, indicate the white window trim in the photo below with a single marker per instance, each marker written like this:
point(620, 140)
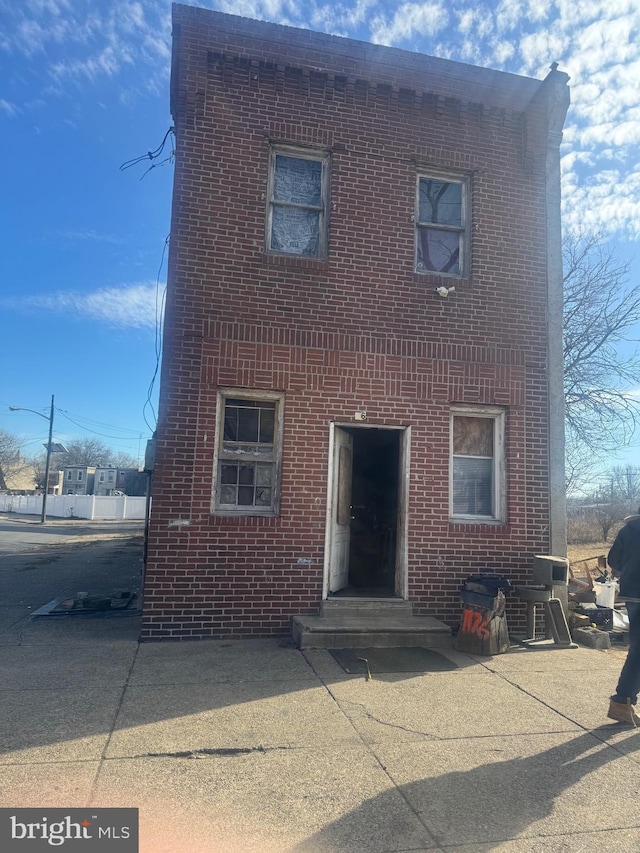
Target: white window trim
point(248, 394)
point(465, 229)
point(303, 154)
point(498, 415)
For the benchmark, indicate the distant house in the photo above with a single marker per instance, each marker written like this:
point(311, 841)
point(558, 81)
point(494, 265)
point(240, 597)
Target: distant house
point(17, 476)
point(105, 481)
point(126, 481)
point(102, 481)
point(361, 393)
point(78, 480)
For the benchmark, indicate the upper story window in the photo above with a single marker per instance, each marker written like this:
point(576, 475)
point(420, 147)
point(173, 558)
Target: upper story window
point(478, 488)
point(298, 190)
point(79, 476)
point(442, 226)
point(248, 450)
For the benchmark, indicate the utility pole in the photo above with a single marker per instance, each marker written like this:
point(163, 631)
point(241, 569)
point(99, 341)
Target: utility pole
point(43, 514)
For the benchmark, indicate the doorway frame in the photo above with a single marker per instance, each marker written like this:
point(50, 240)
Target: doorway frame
point(401, 575)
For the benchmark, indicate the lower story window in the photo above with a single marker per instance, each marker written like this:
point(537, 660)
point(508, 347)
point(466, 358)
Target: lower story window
point(248, 453)
point(477, 464)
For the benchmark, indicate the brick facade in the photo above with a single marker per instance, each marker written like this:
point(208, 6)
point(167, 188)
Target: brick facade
point(357, 331)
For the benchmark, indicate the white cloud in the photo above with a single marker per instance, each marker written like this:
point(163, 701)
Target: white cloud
point(87, 234)
point(409, 21)
point(278, 11)
point(8, 108)
point(597, 42)
point(340, 18)
point(76, 40)
point(128, 306)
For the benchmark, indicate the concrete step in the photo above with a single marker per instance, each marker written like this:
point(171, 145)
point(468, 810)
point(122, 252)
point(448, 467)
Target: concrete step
point(366, 607)
point(338, 631)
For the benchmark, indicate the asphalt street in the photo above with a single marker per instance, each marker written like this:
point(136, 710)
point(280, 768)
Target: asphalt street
point(26, 533)
point(41, 563)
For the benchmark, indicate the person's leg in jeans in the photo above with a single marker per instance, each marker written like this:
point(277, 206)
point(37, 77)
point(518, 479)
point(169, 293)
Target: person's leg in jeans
point(629, 681)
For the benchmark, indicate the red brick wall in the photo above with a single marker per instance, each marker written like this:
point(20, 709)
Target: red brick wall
point(360, 330)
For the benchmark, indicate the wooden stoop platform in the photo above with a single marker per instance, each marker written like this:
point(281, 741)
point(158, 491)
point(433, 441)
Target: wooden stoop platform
point(365, 623)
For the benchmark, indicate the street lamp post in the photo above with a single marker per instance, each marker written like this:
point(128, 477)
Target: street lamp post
point(43, 514)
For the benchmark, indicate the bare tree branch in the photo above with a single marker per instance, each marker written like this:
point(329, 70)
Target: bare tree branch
point(601, 359)
point(12, 463)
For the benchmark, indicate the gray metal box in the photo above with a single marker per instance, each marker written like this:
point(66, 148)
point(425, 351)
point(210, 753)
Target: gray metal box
point(550, 570)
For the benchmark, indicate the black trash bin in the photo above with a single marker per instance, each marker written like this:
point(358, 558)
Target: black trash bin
point(483, 628)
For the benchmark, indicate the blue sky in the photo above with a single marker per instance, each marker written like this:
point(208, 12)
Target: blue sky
point(84, 88)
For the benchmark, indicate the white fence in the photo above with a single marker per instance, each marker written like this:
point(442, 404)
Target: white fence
point(76, 506)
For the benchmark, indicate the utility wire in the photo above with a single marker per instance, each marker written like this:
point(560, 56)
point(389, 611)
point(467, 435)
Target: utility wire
point(160, 296)
point(121, 438)
point(82, 419)
point(153, 155)
point(160, 304)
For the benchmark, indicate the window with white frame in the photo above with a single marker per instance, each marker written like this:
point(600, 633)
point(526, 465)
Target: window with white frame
point(248, 453)
point(477, 464)
point(297, 212)
point(79, 476)
point(442, 226)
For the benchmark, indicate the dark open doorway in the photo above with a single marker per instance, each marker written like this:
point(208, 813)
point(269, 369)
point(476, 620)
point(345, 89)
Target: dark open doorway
point(374, 513)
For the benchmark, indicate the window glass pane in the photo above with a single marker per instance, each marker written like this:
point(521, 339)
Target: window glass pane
point(472, 486)
point(245, 495)
point(439, 251)
point(228, 495)
point(295, 230)
point(246, 476)
point(230, 422)
point(247, 425)
point(440, 202)
point(473, 436)
point(297, 180)
point(263, 475)
point(229, 474)
point(267, 422)
point(263, 497)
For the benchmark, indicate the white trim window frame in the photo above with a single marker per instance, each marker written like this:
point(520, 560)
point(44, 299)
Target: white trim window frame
point(442, 216)
point(248, 452)
point(298, 202)
point(477, 468)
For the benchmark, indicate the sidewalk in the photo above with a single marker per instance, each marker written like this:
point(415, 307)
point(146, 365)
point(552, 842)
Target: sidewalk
point(254, 747)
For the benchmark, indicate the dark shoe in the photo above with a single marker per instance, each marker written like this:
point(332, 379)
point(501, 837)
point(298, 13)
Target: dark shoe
point(622, 712)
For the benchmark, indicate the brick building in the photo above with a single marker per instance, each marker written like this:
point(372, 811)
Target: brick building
point(361, 391)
